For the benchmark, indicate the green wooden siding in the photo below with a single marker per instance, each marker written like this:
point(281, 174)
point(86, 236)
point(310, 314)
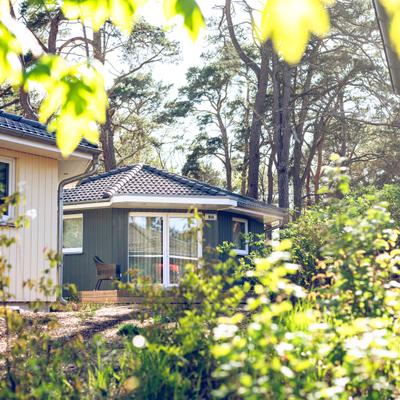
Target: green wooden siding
point(102, 236)
point(105, 234)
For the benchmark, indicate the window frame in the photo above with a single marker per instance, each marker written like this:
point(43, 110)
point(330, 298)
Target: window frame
point(245, 251)
point(73, 250)
point(165, 237)
point(11, 186)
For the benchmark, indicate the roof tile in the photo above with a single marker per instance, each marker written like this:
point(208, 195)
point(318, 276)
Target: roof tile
point(146, 180)
point(34, 129)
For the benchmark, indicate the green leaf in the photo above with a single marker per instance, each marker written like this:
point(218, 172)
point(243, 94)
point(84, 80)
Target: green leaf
point(121, 12)
point(192, 16)
point(75, 101)
point(290, 23)
point(10, 49)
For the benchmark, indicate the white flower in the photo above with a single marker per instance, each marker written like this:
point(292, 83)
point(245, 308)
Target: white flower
point(283, 347)
point(139, 341)
point(318, 327)
point(224, 331)
point(32, 214)
point(287, 372)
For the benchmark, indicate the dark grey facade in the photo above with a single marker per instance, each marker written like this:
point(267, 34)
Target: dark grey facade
point(105, 234)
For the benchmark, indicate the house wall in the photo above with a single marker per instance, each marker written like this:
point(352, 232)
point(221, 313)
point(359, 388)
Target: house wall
point(105, 235)
point(40, 178)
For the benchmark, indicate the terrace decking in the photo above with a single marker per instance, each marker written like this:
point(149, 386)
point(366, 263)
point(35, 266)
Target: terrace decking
point(122, 297)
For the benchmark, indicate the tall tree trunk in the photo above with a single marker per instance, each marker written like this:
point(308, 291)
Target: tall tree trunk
point(245, 165)
point(308, 188)
point(227, 155)
point(107, 143)
point(296, 176)
point(259, 106)
point(53, 33)
point(282, 129)
point(256, 124)
point(318, 172)
point(270, 175)
point(106, 131)
point(24, 100)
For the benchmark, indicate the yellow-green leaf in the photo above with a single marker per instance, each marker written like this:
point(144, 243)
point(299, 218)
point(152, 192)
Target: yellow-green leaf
point(190, 11)
point(10, 49)
point(392, 8)
point(290, 23)
point(75, 100)
point(121, 12)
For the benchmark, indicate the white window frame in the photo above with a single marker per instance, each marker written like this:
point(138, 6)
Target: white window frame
point(11, 189)
point(165, 237)
point(241, 252)
point(73, 250)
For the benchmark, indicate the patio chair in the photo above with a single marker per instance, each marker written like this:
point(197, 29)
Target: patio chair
point(105, 272)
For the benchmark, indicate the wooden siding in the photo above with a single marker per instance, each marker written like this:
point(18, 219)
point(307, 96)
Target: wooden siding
point(105, 234)
point(97, 241)
point(225, 225)
point(39, 176)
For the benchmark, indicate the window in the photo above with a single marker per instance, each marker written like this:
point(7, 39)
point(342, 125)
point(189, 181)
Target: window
point(73, 234)
point(160, 245)
point(240, 229)
point(7, 183)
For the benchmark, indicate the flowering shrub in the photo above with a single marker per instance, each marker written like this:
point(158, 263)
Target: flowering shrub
point(243, 329)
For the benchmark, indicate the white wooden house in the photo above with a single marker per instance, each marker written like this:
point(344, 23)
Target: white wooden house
point(30, 159)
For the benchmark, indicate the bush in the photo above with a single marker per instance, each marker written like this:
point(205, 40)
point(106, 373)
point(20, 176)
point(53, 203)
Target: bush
point(229, 338)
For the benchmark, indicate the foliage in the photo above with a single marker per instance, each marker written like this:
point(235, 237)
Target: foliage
point(320, 225)
point(75, 94)
point(289, 24)
point(227, 338)
point(392, 8)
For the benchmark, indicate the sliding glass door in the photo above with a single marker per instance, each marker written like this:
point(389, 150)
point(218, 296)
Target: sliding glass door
point(160, 245)
point(183, 243)
point(146, 246)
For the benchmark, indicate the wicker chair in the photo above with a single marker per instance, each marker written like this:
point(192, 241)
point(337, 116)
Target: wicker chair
point(105, 272)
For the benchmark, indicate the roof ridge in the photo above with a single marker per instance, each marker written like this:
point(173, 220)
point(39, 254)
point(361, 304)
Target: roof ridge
point(222, 191)
point(127, 176)
point(184, 179)
point(106, 174)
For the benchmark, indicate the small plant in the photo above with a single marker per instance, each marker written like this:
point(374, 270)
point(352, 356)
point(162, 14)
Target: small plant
point(129, 330)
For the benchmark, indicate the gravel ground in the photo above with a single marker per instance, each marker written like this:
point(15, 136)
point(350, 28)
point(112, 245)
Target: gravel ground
point(86, 322)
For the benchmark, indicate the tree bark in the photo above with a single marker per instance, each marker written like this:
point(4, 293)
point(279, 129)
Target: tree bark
point(107, 143)
point(270, 175)
point(259, 106)
point(282, 128)
point(227, 155)
point(256, 124)
point(27, 110)
point(106, 130)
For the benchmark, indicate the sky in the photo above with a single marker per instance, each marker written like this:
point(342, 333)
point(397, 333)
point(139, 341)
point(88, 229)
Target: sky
point(190, 55)
point(190, 51)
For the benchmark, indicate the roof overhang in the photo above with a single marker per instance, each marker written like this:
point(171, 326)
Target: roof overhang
point(153, 202)
point(157, 202)
point(25, 144)
point(392, 58)
point(266, 216)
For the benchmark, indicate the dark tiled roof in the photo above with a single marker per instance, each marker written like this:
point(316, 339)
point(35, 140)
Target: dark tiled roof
point(146, 180)
point(21, 126)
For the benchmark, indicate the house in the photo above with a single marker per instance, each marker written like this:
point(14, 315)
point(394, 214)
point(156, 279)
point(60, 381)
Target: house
point(392, 58)
point(30, 158)
point(141, 218)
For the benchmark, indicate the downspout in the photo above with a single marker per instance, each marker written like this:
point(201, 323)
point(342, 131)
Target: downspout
point(92, 169)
